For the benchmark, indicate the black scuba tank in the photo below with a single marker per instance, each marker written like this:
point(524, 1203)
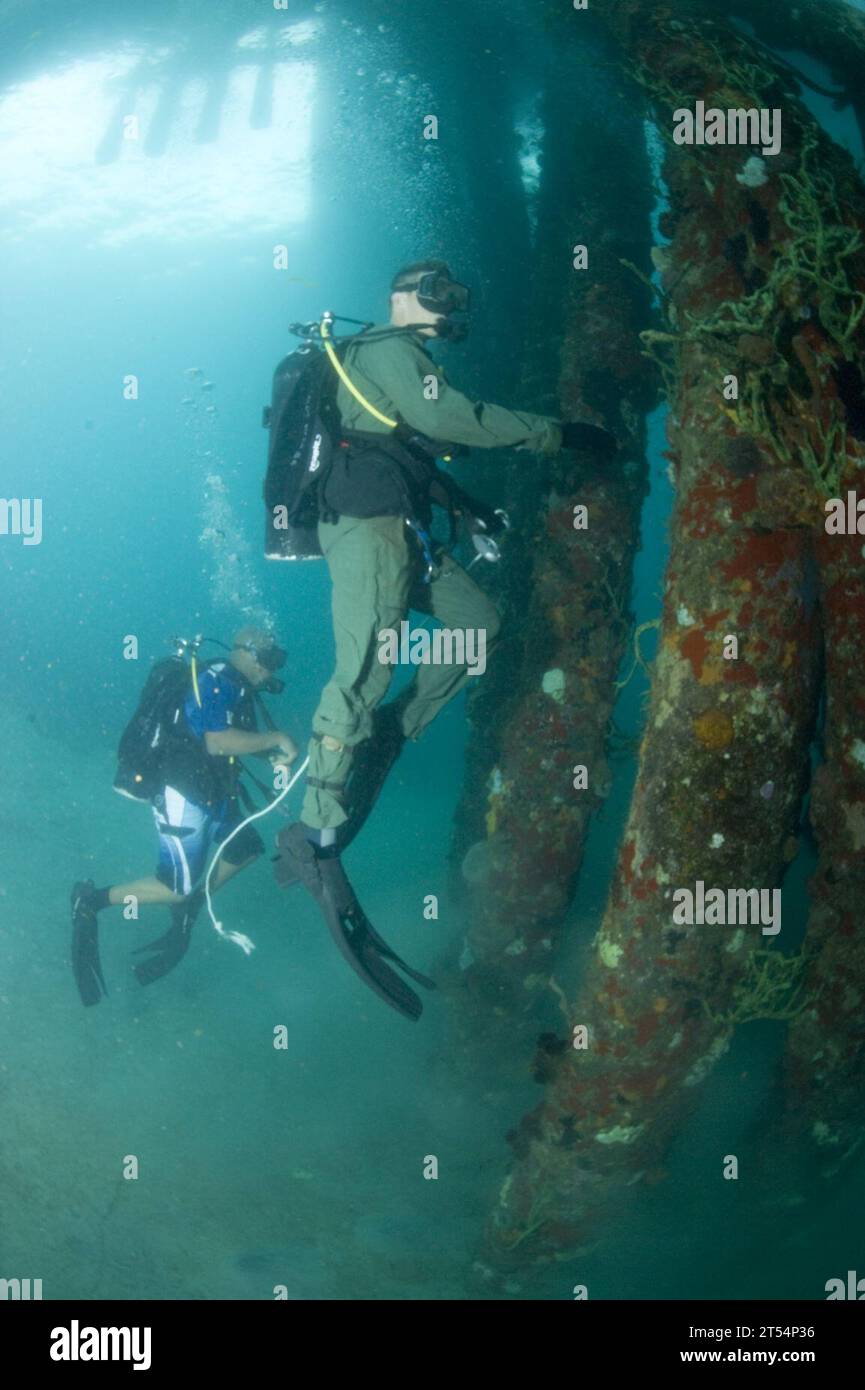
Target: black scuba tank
point(158, 748)
point(302, 422)
point(156, 725)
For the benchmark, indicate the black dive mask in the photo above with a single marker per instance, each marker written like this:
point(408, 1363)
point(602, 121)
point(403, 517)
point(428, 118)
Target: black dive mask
point(440, 294)
point(271, 657)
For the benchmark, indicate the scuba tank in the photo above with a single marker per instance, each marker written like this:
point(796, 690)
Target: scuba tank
point(156, 724)
point(299, 453)
point(305, 437)
point(157, 742)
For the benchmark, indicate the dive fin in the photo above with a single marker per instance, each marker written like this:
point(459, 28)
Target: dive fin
point(86, 965)
point(372, 762)
point(355, 937)
point(389, 954)
point(169, 950)
point(355, 945)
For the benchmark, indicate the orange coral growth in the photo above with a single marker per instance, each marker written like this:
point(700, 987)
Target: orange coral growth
point(695, 649)
point(714, 729)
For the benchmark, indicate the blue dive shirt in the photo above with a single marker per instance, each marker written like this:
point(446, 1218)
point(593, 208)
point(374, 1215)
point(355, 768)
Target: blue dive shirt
point(221, 690)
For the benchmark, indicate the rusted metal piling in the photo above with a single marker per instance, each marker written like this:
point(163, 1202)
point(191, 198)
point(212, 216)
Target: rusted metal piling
point(826, 1044)
point(760, 353)
point(565, 591)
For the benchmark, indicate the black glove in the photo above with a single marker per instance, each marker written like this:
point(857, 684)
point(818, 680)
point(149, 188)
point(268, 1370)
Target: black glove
point(589, 438)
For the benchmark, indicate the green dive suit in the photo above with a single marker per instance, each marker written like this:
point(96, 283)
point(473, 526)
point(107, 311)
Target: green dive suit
point(375, 561)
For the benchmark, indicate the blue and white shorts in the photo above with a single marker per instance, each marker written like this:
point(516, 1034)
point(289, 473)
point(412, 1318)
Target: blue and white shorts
point(187, 833)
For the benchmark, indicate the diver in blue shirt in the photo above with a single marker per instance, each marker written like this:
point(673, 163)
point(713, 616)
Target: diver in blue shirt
point(194, 811)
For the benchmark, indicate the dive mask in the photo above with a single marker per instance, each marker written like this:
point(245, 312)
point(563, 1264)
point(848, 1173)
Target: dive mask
point(442, 295)
point(271, 657)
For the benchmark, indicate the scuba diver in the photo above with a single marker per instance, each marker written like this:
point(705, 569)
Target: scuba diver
point(180, 753)
point(358, 487)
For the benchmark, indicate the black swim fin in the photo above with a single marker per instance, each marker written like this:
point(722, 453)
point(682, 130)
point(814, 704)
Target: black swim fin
point(86, 965)
point(356, 938)
point(169, 949)
point(372, 762)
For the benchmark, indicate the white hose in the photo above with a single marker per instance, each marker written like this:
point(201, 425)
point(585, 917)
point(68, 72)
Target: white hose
point(246, 945)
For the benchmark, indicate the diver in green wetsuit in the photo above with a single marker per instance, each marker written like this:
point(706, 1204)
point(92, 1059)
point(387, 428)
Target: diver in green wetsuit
point(375, 560)
point(375, 507)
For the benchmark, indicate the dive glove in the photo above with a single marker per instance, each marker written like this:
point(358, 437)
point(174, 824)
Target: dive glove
point(589, 438)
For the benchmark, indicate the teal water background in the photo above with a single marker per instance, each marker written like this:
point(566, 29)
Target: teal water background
point(261, 1167)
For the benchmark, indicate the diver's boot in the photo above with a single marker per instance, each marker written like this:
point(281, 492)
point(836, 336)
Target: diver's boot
point(169, 949)
point(372, 762)
point(86, 965)
point(322, 874)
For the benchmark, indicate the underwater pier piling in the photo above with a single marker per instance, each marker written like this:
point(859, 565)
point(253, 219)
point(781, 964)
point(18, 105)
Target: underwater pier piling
point(762, 288)
point(546, 706)
point(722, 774)
point(826, 1040)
